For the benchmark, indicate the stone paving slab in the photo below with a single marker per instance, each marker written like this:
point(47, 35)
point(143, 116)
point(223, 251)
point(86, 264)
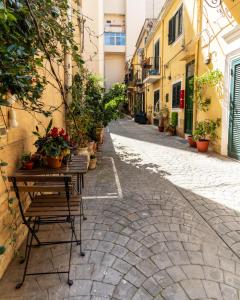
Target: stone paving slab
point(160, 241)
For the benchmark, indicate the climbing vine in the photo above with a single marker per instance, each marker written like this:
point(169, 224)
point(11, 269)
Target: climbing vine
point(211, 78)
point(35, 36)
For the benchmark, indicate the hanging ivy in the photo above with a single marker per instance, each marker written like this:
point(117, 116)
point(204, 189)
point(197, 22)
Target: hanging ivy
point(34, 35)
point(209, 79)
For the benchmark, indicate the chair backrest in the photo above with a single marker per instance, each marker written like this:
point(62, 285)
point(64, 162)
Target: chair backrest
point(41, 183)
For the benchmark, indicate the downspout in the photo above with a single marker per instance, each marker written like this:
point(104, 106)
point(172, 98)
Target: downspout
point(68, 73)
point(197, 57)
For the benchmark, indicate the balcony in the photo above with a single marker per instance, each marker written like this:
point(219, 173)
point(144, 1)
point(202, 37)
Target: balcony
point(151, 70)
point(115, 41)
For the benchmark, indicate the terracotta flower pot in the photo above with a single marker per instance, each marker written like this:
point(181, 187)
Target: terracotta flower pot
point(191, 141)
point(161, 128)
point(92, 164)
point(202, 145)
point(54, 162)
point(28, 165)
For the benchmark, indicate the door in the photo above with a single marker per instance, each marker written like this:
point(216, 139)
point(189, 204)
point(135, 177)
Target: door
point(234, 113)
point(189, 94)
point(156, 107)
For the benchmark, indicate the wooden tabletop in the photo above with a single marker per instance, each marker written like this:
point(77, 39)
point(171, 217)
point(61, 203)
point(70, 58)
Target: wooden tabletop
point(77, 165)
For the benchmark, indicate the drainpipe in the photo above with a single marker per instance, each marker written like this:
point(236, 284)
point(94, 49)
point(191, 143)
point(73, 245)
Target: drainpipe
point(68, 62)
point(197, 56)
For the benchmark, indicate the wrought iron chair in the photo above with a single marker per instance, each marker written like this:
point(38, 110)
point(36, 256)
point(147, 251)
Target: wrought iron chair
point(52, 201)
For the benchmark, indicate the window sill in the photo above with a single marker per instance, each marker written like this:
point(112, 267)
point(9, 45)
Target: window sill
point(177, 40)
point(177, 109)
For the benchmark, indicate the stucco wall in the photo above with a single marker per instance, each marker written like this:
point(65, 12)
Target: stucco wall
point(114, 7)
point(93, 35)
point(18, 141)
point(114, 68)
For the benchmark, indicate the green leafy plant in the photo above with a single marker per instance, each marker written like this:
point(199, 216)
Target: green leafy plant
point(26, 157)
point(164, 112)
point(211, 78)
point(206, 130)
point(92, 156)
point(174, 119)
point(114, 99)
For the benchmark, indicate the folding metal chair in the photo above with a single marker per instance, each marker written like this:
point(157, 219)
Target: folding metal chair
point(52, 201)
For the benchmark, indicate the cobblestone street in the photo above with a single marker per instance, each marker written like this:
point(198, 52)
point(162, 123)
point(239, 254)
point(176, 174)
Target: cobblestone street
point(163, 223)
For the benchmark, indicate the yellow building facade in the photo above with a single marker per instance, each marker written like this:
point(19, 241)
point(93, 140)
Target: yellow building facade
point(189, 40)
point(16, 141)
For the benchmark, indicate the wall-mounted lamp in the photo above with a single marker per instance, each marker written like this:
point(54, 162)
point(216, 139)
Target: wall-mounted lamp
point(12, 118)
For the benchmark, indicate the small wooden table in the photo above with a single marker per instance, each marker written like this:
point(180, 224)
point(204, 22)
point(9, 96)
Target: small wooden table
point(78, 165)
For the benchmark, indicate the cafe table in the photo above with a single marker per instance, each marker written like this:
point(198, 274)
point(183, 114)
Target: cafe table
point(76, 166)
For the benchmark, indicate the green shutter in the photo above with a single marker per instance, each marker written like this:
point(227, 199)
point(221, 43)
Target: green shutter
point(234, 117)
point(176, 95)
point(156, 56)
point(180, 21)
point(170, 32)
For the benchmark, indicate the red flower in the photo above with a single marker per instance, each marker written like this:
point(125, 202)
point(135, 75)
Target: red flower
point(62, 132)
point(54, 132)
point(66, 137)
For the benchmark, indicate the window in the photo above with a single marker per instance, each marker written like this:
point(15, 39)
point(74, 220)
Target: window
point(176, 90)
point(156, 56)
point(175, 26)
point(115, 39)
point(156, 100)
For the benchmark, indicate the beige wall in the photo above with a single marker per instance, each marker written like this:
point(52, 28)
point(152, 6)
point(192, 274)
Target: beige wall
point(18, 141)
point(114, 7)
point(93, 53)
point(114, 68)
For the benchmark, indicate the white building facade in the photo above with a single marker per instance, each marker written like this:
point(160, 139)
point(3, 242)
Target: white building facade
point(110, 34)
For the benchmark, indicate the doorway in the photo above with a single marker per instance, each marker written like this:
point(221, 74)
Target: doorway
point(188, 122)
point(234, 112)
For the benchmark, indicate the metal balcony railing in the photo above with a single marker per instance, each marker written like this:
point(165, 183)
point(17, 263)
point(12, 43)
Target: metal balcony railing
point(115, 38)
point(151, 67)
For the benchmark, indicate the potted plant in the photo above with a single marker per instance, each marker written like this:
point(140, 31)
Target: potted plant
point(93, 162)
point(204, 132)
point(26, 161)
point(100, 133)
point(191, 141)
point(54, 146)
point(164, 113)
point(173, 124)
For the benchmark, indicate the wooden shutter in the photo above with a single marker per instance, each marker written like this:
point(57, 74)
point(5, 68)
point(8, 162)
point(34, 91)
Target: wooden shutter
point(156, 55)
point(176, 95)
point(180, 21)
point(170, 32)
point(234, 132)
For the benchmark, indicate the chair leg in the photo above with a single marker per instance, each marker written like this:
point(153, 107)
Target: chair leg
point(74, 232)
point(26, 248)
point(70, 282)
point(80, 233)
point(29, 246)
point(82, 210)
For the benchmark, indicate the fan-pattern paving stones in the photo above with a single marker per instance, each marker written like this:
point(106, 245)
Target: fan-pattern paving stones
point(152, 244)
